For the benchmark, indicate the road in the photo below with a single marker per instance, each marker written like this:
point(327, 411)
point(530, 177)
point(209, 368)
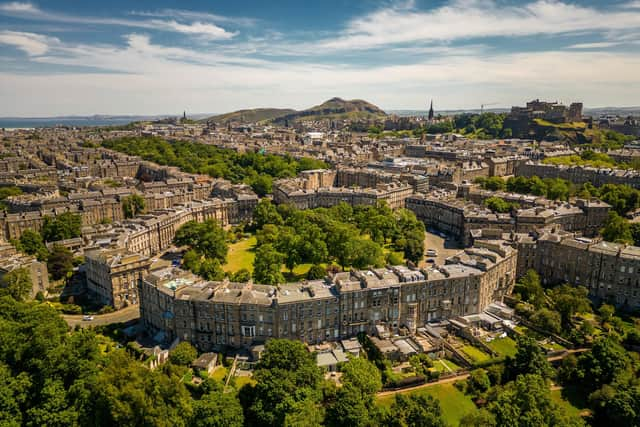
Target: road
point(444, 248)
point(129, 313)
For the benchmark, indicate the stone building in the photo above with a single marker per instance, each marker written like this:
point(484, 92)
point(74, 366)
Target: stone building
point(610, 271)
point(580, 174)
point(176, 304)
point(11, 259)
point(113, 276)
point(326, 188)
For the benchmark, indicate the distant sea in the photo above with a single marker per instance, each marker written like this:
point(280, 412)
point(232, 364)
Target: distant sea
point(8, 123)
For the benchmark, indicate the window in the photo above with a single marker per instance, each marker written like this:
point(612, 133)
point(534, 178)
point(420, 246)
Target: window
point(248, 331)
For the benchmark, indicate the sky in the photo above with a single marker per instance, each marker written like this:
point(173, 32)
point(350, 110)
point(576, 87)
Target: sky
point(70, 57)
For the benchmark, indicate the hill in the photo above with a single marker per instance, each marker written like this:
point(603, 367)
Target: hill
point(250, 115)
point(335, 108)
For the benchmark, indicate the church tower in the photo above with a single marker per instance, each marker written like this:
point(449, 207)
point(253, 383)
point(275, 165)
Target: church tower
point(431, 111)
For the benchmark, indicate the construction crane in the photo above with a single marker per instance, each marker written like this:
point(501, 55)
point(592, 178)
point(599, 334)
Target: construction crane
point(486, 105)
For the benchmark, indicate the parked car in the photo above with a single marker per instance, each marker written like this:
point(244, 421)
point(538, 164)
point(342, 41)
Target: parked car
point(87, 317)
point(432, 252)
point(431, 261)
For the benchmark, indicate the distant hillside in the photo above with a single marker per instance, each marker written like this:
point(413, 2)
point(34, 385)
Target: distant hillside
point(251, 116)
point(335, 108)
point(339, 109)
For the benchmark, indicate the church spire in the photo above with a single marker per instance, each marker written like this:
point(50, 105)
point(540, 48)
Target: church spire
point(431, 111)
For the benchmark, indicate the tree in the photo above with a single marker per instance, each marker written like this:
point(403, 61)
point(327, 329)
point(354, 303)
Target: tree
point(285, 376)
point(530, 288)
point(616, 406)
point(497, 204)
point(494, 183)
point(133, 205)
point(527, 402)
point(529, 359)
point(207, 238)
point(53, 408)
point(183, 354)
point(547, 320)
point(210, 269)
point(361, 253)
point(64, 226)
point(363, 375)
point(242, 275)
point(348, 409)
point(125, 393)
point(617, 229)
point(635, 233)
point(266, 265)
point(419, 410)
point(31, 243)
point(217, 409)
point(316, 272)
point(17, 284)
point(262, 185)
point(569, 300)
point(479, 418)
point(478, 382)
point(606, 312)
point(60, 262)
point(605, 362)
point(266, 213)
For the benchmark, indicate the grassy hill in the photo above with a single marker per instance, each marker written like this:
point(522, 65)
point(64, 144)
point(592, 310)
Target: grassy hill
point(253, 115)
point(335, 108)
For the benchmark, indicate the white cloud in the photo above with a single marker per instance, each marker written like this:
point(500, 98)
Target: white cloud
point(196, 16)
point(145, 81)
point(467, 19)
point(209, 31)
point(595, 45)
point(18, 7)
point(201, 29)
point(30, 43)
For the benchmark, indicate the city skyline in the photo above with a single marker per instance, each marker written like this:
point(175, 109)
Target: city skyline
point(64, 58)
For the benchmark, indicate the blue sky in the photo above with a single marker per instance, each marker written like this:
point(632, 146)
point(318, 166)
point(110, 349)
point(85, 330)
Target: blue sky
point(142, 57)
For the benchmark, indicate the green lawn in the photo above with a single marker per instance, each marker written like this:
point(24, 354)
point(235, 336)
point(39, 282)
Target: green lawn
point(453, 402)
point(219, 374)
point(241, 381)
point(503, 346)
point(570, 399)
point(241, 255)
point(439, 365)
point(475, 354)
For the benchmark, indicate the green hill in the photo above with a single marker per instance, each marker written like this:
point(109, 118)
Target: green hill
point(335, 108)
point(250, 116)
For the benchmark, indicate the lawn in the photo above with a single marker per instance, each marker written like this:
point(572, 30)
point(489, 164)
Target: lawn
point(241, 381)
point(503, 346)
point(570, 399)
point(241, 255)
point(439, 365)
point(219, 374)
point(475, 354)
point(453, 402)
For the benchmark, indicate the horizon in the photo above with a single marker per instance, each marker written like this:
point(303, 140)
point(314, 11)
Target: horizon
point(65, 58)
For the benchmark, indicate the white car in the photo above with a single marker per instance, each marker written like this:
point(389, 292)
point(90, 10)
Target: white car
point(87, 317)
point(432, 252)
